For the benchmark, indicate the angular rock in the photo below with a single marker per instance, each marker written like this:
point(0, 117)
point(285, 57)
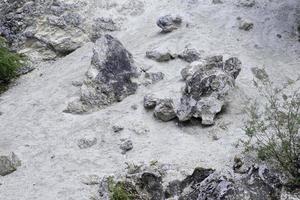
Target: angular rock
point(246, 25)
point(233, 66)
point(169, 23)
point(154, 77)
point(117, 128)
point(110, 77)
point(126, 145)
point(164, 110)
point(160, 55)
point(247, 3)
point(150, 101)
point(9, 164)
point(190, 55)
point(85, 143)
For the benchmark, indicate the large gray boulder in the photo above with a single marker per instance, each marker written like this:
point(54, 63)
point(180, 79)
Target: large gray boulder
point(207, 86)
point(110, 77)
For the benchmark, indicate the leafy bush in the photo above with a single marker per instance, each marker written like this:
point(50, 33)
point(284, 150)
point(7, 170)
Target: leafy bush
point(274, 126)
point(9, 63)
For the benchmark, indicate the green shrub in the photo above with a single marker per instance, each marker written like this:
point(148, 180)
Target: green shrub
point(9, 63)
point(122, 190)
point(273, 127)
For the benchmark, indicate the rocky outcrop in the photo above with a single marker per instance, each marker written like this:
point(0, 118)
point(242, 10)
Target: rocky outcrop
point(9, 164)
point(46, 28)
point(169, 23)
point(258, 182)
point(50, 29)
point(110, 77)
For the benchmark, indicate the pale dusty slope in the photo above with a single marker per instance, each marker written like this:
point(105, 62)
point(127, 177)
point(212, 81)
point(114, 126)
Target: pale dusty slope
point(35, 128)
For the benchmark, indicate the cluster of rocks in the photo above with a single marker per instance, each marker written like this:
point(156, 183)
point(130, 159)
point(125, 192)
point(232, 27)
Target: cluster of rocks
point(208, 83)
point(164, 54)
point(9, 164)
point(257, 182)
point(110, 78)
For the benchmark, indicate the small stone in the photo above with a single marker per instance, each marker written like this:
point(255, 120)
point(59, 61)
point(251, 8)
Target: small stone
point(91, 180)
point(160, 55)
point(190, 55)
point(150, 101)
point(77, 83)
point(9, 164)
point(246, 25)
point(126, 145)
point(85, 143)
point(134, 107)
point(217, 1)
point(169, 23)
point(233, 66)
point(154, 76)
point(117, 128)
point(247, 3)
point(164, 110)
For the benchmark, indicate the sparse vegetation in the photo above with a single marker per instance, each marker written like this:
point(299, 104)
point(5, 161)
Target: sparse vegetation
point(9, 63)
point(122, 190)
point(273, 126)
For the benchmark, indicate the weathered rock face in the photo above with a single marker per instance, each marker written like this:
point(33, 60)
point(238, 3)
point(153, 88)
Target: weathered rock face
point(110, 77)
point(51, 28)
point(169, 23)
point(207, 85)
point(9, 164)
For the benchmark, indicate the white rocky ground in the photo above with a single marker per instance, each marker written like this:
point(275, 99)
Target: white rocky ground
point(34, 127)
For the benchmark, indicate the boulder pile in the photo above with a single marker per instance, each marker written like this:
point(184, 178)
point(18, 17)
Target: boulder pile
point(207, 85)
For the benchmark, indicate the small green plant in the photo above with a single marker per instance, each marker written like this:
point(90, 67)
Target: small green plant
point(273, 127)
point(122, 190)
point(9, 63)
